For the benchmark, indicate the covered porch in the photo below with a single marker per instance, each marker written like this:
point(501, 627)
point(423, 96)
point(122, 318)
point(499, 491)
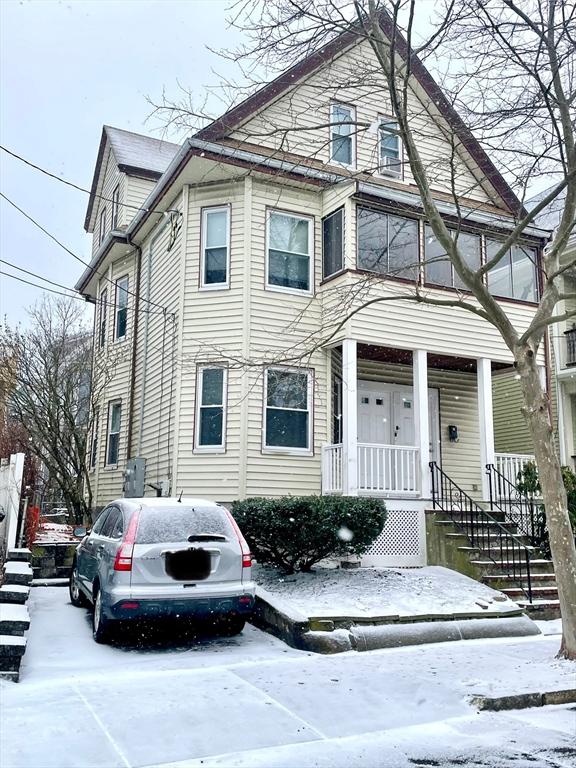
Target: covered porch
point(394, 411)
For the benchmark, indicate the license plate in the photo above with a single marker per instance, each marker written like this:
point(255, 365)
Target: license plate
point(188, 565)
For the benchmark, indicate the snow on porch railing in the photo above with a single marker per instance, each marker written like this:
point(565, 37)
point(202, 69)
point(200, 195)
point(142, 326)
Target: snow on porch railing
point(388, 468)
point(332, 468)
point(509, 464)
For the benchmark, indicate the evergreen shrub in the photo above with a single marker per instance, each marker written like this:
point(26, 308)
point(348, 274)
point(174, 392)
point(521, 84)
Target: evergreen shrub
point(295, 532)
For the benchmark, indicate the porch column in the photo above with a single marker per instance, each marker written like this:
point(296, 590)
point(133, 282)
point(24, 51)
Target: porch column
point(485, 419)
point(349, 418)
point(421, 418)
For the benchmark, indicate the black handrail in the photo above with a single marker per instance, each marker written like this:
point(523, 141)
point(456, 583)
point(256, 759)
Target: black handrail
point(516, 506)
point(484, 531)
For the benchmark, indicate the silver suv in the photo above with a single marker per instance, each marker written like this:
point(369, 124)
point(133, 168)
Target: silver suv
point(147, 558)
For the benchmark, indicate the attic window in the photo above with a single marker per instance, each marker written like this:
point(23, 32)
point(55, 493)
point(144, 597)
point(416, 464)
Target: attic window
point(390, 149)
point(342, 119)
point(115, 206)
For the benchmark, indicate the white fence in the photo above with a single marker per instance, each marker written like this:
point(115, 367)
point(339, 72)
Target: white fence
point(509, 464)
point(11, 471)
point(382, 469)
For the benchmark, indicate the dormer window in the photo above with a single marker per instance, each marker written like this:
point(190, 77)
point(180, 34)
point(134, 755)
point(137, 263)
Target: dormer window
point(115, 206)
point(390, 148)
point(342, 119)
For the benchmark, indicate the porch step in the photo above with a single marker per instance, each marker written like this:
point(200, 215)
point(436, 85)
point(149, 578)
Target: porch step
point(487, 524)
point(11, 651)
point(22, 555)
point(14, 593)
point(14, 619)
point(537, 592)
point(539, 569)
point(16, 572)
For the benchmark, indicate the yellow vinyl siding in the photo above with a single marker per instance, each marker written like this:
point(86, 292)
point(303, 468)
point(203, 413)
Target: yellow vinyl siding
point(511, 433)
point(308, 105)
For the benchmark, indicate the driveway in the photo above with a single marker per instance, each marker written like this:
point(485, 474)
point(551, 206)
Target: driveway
point(252, 701)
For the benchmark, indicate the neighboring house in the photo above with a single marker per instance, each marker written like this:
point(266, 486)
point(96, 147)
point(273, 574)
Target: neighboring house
point(247, 244)
point(562, 341)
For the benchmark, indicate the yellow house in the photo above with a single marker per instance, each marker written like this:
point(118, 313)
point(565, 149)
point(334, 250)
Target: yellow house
point(260, 283)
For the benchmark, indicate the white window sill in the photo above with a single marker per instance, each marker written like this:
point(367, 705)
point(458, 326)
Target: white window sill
point(215, 287)
point(110, 467)
point(209, 449)
point(289, 291)
point(278, 450)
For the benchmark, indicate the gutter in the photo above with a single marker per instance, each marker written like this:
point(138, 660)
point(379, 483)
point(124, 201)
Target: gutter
point(112, 238)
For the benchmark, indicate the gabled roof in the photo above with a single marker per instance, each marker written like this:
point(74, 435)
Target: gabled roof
point(236, 116)
point(135, 155)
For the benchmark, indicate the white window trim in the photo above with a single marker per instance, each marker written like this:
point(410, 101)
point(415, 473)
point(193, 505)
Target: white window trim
point(102, 320)
point(117, 308)
point(102, 226)
point(341, 210)
point(380, 172)
point(93, 457)
point(309, 451)
point(311, 234)
point(115, 207)
point(204, 228)
point(111, 404)
point(199, 386)
point(352, 110)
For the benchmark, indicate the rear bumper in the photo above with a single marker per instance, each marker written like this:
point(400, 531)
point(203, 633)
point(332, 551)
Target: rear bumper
point(128, 604)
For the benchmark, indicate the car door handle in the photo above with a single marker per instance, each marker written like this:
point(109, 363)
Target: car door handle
point(100, 547)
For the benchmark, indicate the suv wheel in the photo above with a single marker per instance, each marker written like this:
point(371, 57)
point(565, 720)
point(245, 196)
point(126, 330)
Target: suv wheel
point(231, 625)
point(100, 624)
point(77, 597)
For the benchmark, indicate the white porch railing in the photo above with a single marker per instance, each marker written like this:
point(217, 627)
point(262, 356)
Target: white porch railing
point(388, 468)
point(332, 468)
point(385, 469)
point(509, 464)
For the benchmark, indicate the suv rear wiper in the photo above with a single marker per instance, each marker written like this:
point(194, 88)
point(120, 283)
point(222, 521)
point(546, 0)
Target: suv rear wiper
point(207, 537)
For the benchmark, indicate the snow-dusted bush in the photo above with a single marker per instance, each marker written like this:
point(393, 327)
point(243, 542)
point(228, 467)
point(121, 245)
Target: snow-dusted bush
point(294, 532)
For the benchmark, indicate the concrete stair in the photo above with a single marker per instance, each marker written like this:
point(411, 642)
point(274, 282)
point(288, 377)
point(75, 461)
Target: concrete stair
point(14, 618)
point(493, 560)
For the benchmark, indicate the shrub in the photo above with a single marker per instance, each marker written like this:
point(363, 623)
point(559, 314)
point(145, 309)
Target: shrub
point(295, 532)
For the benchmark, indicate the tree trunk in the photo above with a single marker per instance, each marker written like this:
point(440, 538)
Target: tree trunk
point(554, 495)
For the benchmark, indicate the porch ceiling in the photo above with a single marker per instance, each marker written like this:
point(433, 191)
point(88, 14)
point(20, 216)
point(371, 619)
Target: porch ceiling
point(404, 357)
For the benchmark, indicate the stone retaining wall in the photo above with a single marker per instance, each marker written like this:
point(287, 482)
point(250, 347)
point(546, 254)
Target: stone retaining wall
point(53, 561)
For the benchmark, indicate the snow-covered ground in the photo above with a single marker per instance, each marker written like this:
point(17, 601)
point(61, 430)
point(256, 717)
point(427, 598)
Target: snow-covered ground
point(370, 592)
point(54, 533)
point(252, 701)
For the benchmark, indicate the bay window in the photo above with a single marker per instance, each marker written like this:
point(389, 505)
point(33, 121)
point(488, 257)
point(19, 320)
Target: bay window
point(211, 410)
point(215, 247)
point(333, 243)
point(289, 263)
point(387, 244)
point(288, 418)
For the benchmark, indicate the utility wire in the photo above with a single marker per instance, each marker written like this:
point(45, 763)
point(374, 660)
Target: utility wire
point(76, 186)
point(66, 288)
point(85, 263)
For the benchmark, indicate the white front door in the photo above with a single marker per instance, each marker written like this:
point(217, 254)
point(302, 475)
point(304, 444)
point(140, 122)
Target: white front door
point(386, 418)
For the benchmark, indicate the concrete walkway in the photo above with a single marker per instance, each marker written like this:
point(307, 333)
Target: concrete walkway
point(251, 701)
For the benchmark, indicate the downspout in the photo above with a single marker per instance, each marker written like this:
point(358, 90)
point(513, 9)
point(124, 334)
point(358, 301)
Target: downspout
point(134, 343)
point(146, 330)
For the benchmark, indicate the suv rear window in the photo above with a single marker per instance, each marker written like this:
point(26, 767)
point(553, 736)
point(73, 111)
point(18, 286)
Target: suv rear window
point(172, 524)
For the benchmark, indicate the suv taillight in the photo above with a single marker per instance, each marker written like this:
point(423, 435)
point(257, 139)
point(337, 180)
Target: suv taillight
point(246, 556)
point(123, 560)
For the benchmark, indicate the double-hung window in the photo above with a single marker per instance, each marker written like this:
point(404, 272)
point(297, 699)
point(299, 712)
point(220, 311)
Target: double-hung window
point(288, 409)
point(289, 264)
point(387, 244)
point(439, 268)
point(333, 243)
point(94, 441)
point(121, 319)
point(389, 148)
point(113, 441)
point(215, 247)
point(342, 145)
point(211, 410)
point(103, 309)
point(115, 205)
point(515, 275)
point(102, 227)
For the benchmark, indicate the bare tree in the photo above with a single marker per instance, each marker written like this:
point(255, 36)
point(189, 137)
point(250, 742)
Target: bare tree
point(49, 365)
point(506, 69)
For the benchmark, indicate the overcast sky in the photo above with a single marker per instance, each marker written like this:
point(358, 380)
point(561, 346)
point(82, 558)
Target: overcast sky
point(67, 68)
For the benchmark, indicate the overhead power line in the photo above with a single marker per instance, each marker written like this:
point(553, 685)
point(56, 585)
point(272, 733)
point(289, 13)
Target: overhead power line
point(66, 288)
point(77, 186)
point(85, 263)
